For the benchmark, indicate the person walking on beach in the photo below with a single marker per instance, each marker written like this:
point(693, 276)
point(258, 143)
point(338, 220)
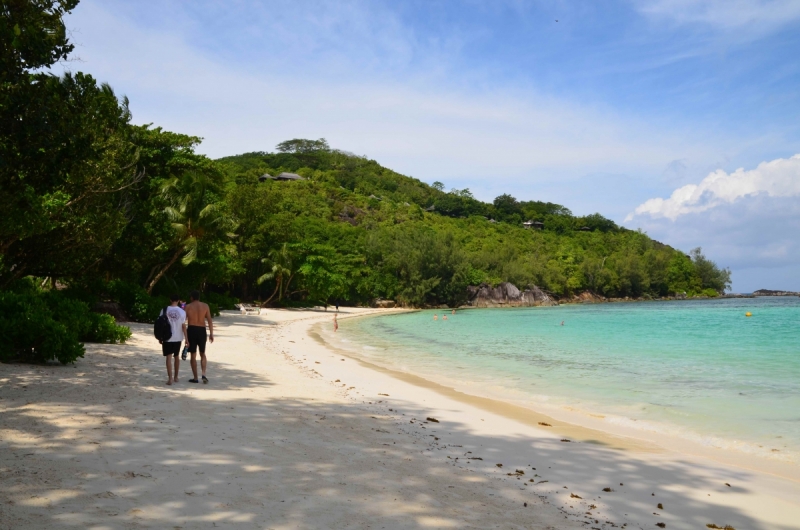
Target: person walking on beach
point(335, 323)
point(197, 314)
point(172, 348)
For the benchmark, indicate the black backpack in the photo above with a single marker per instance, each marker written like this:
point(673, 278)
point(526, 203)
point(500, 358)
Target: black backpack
point(162, 329)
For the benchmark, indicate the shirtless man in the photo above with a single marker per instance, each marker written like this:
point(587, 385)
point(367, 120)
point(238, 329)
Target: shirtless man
point(197, 313)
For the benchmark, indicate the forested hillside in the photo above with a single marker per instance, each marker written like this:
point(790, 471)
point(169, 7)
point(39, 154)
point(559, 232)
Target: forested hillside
point(354, 230)
point(98, 210)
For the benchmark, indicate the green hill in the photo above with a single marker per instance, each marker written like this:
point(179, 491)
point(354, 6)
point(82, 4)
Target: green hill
point(356, 231)
point(99, 213)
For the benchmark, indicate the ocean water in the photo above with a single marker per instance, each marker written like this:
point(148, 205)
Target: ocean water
point(701, 370)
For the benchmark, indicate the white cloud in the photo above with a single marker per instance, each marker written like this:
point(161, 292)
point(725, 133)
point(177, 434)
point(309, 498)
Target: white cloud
point(747, 220)
point(372, 86)
point(756, 236)
point(430, 130)
point(776, 178)
point(746, 16)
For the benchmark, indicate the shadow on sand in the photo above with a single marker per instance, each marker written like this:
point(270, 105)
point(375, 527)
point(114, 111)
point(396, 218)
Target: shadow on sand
point(104, 445)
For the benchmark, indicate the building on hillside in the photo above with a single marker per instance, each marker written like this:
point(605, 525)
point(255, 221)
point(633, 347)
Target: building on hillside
point(536, 225)
point(289, 176)
point(282, 176)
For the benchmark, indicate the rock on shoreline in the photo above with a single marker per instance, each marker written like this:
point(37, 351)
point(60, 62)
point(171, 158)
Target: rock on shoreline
point(507, 295)
point(767, 292)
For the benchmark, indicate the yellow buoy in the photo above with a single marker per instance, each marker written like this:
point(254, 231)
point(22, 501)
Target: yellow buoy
point(748, 314)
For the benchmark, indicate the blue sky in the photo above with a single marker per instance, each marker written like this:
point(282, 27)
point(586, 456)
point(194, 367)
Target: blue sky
point(601, 106)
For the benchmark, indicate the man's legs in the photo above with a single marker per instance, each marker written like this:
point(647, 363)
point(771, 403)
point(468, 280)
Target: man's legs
point(193, 362)
point(203, 364)
point(197, 341)
point(169, 369)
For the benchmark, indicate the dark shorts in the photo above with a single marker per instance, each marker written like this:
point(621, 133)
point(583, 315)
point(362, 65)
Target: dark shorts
point(171, 348)
point(196, 335)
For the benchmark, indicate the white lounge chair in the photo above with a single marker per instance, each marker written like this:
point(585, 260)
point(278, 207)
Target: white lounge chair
point(247, 309)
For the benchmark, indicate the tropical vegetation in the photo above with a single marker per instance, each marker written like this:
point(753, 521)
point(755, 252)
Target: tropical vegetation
point(99, 209)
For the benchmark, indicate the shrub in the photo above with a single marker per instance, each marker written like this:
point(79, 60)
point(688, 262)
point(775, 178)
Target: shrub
point(105, 329)
point(73, 314)
point(40, 326)
point(29, 333)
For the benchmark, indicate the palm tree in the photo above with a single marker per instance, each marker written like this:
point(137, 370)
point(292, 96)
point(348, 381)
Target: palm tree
point(280, 270)
point(193, 216)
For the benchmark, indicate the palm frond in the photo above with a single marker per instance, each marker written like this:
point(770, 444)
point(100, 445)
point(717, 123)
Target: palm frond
point(190, 245)
point(173, 214)
point(264, 277)
point(181, 230)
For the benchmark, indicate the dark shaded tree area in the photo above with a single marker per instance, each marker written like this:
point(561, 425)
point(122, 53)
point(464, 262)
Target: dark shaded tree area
point(126, 213)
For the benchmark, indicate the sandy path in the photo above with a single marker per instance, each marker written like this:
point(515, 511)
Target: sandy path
point(269, 443)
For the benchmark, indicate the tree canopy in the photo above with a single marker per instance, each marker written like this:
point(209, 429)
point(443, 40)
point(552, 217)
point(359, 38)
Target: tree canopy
point(133, 212)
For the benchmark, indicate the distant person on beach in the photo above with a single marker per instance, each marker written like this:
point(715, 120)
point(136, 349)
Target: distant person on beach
point(172, 348)
point(435, 316)
point(197, 314)
point(444, 317)
point(454, 311)
point(335, 323)
point(337, 306)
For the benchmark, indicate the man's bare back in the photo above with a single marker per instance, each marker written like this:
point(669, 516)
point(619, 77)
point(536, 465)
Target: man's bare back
point(197, 314)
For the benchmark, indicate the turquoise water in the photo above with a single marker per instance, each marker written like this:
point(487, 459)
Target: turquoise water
point(698, 369)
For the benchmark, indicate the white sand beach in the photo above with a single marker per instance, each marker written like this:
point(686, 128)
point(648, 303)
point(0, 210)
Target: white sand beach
point(291, 433)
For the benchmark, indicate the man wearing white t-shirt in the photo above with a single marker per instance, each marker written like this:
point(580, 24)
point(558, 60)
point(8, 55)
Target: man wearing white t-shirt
point(172, 347)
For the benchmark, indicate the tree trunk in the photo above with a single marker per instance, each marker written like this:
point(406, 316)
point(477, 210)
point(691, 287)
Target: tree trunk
point(150, 276)
point(285, 287)
point(164, 271)
point(277, 284)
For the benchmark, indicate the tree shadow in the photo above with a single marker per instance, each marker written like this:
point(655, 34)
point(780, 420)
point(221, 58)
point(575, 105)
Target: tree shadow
point(99, 445)
point(599, 483)
point(103, 445)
